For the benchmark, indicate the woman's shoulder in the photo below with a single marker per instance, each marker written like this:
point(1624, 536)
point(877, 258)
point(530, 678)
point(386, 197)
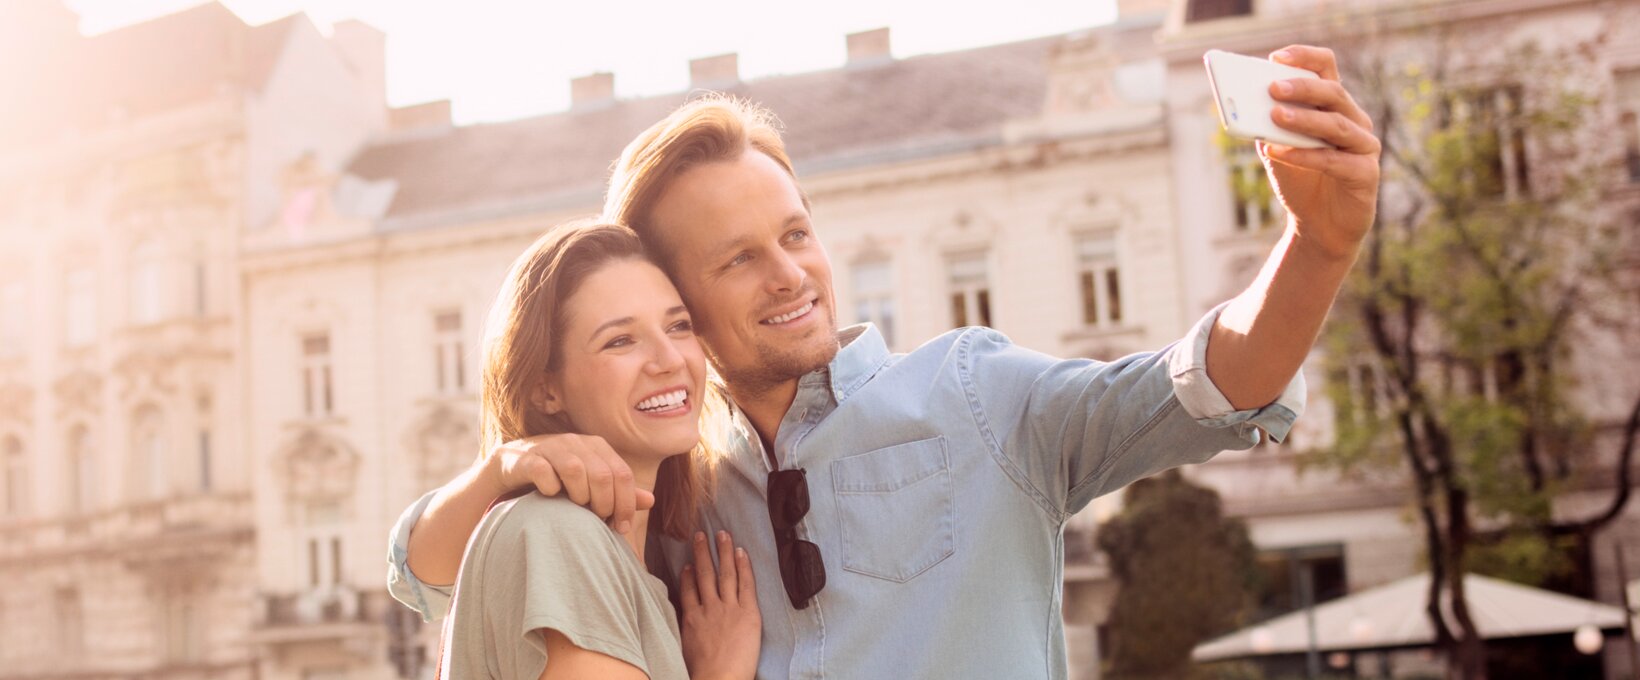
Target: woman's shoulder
point(547, 516)
point(548, 531)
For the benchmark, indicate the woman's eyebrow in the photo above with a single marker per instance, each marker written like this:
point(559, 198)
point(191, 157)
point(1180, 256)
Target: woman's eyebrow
point(611, 323)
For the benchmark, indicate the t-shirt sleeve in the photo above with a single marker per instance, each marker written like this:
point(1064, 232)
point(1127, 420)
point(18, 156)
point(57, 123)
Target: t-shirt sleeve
point(543, 563)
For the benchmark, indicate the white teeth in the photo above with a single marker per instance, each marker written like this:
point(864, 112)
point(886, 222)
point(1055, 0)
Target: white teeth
point(783, 318)
point(661, 401)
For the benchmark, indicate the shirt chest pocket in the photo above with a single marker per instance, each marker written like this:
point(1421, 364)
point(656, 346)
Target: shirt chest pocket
point(897, 508)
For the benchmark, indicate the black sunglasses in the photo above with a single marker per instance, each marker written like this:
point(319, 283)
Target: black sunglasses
point(801, 570)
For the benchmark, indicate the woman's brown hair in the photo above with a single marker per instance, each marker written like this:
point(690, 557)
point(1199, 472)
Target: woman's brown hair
point(521, 347)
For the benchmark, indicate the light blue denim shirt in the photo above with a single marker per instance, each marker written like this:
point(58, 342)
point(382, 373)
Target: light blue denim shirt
point(940, 483)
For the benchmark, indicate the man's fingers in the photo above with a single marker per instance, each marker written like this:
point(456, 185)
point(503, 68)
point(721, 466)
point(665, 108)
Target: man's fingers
point(540, 473)
point(572, 474)
point(622, 486)
point(1354, 170)
point(705, 575)
point(600, 484)
point(1328, 95)
point(728, 591)
point(1333, 128)
point(644, 500)
point(1318, 59)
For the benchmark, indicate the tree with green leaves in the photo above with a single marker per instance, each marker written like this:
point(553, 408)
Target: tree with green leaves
point(1186, 573)
point(1457, 352)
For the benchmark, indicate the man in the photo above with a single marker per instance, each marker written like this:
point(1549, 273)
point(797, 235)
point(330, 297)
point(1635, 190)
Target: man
point(905, 513)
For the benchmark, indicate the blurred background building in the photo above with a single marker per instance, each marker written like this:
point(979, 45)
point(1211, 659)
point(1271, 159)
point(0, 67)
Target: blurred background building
point(241, 298)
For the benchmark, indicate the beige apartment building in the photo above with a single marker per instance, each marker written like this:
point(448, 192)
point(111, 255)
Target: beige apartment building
point(241, 300)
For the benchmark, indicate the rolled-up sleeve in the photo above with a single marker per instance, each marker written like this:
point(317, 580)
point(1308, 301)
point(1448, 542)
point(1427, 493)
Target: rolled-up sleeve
point(1207, 404)
point(432, 602)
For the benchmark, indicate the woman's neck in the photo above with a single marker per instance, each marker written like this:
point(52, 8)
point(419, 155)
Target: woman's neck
point(643, 477)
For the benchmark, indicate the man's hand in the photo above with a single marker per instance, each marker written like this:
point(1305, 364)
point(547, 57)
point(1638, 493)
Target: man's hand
point(722, 626)
point(582, 467)
point(1331, 194)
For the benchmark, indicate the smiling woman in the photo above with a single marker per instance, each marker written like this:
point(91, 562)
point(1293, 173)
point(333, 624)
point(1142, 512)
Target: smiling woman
point(589, 343)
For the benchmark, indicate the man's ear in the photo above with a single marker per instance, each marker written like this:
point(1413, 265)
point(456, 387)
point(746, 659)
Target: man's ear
point(546, 397)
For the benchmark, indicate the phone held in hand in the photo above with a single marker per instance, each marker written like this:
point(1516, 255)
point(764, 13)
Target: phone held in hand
point(1241, 91)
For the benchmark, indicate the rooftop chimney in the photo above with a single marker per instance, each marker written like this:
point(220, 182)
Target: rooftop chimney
point(1128, 9)
point(868, 47)
point(714, 73)
point(426, 116)
point(592, 91)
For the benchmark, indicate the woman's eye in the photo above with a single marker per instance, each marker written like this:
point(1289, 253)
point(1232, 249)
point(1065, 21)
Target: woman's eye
point(618, 341)
point(684, 326)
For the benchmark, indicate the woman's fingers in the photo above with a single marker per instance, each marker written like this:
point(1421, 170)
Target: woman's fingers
point(743, 573)
point(705, 575)
point(728, 591)
point(687, 592)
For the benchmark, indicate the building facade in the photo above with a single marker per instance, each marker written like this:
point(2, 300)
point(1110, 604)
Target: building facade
point(241, 310)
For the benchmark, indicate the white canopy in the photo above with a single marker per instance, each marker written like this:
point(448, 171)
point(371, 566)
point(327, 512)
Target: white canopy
point(1392, 615)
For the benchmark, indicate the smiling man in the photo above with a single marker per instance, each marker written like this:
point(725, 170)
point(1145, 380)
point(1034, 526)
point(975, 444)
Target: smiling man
point(905, 512)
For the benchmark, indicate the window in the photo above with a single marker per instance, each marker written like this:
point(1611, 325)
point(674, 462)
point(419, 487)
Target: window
point(149, 447)
point(316, 392)
point(1294, 576)
point(146, 285)
point(13, 318)
point(80, 308)
point(200, 297)
point(184, 632)
point(204, 459)
point(874, 296)
point(82, 464)
point(1631, 145)
point(1627, 97)
point(16, 469)
point(1099, 278)
point(1496, 137)
point(1208, 10)
point(970, 291)
point(447, 352)
point(324, 544)
point(70, 622)
point(1252, 198)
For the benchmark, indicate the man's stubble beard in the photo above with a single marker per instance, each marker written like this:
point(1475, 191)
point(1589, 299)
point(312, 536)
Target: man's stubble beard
point(778, 364)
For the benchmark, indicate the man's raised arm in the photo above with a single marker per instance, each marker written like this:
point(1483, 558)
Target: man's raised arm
point(1261, 339)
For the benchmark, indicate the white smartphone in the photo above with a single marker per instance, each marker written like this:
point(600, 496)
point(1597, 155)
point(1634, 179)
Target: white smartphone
point(1241, 89)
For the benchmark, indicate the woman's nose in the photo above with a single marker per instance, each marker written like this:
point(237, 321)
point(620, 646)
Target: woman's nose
point(665, 359)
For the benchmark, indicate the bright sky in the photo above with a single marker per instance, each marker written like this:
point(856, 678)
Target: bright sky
point(500, 59)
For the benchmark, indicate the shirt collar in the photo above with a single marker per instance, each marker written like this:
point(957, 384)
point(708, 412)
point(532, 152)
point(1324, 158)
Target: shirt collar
point(863, 353)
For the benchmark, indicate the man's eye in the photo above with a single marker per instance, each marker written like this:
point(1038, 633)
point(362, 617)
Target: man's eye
point(798, 235)
point(618, 341)
point(740, 259)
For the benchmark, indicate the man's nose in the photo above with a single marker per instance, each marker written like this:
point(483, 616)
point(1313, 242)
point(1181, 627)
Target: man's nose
point(785, 275)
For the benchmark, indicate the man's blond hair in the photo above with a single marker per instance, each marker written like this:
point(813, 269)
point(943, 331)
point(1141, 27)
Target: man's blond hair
point(709, 129)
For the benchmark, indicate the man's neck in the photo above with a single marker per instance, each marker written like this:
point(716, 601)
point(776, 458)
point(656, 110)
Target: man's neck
point(765, 407)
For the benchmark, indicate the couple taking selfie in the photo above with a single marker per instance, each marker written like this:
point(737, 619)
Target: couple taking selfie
point(812, 505)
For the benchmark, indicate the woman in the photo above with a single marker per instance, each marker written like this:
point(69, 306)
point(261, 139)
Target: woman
point(590, 345)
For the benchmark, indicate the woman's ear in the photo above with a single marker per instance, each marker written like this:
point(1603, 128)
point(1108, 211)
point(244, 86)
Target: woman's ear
point(546, 397)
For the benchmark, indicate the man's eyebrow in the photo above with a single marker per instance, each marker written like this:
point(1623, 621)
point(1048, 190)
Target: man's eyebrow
point(613, 322)
point(745, 240)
